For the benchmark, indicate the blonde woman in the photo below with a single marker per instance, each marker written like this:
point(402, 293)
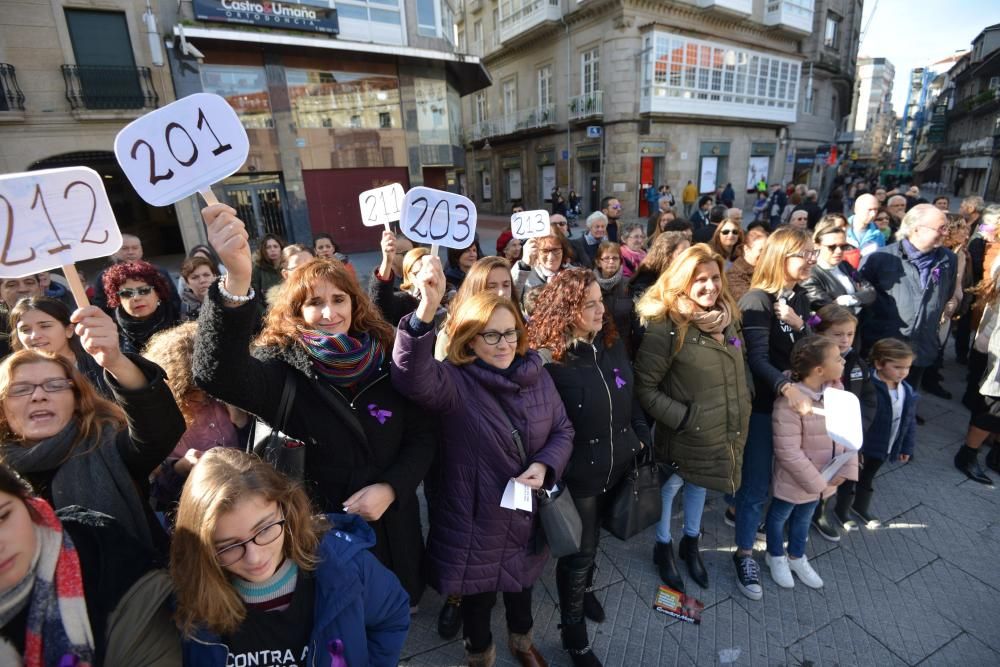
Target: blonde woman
point(255, 574)
point(392, 302)
point(691, 378)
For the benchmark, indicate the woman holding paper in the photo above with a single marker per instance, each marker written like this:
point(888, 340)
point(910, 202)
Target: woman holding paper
point(367, 447)
point(590, 366)
point(503, 426)
point(691, 378)
point(77, 448)
point(542, 258)
point(140, 296)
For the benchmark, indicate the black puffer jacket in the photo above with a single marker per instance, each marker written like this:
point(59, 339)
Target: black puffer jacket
point(374, 436)
point(597, 387)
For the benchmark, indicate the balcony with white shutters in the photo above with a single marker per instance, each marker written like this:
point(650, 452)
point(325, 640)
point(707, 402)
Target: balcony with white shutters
point(586, 107)
point(795, 16)
point(520, 17)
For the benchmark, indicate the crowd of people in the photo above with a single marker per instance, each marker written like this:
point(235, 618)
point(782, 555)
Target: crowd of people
point(139, 526)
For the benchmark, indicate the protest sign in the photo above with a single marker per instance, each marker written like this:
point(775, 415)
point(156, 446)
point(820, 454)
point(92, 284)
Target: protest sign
point(529, 224)
point(843, 417)
point(438, 218)
point(181, 149)
point(53, 218)
point(381, 205)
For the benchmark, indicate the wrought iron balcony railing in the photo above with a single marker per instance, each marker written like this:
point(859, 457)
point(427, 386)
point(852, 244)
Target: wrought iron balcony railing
point(107, 87)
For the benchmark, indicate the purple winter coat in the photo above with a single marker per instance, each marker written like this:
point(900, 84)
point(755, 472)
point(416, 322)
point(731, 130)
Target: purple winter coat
point(474, 545)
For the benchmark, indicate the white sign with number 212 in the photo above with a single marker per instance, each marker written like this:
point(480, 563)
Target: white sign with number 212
point(183, 148)
point(438, 218)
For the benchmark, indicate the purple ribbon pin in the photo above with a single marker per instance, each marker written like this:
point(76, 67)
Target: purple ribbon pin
point(814, 320)
point(377, 413)
point(735, 342)
point(936, 274)
point(619, 382)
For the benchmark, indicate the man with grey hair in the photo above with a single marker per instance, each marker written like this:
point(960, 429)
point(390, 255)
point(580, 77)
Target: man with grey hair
point(735, 215)
point(971, 209)
point(810, 204)
point(914, 281)
point(897, 208)
point(585, 247)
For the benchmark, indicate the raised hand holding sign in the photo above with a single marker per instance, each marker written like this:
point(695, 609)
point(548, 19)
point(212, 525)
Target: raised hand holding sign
point(183, 148)
point(53, 218)
point(438, 218)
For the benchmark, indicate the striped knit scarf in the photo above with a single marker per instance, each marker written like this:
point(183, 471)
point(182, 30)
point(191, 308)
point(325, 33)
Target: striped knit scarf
point(274, 594)
point(58, 628)
point(341, 359)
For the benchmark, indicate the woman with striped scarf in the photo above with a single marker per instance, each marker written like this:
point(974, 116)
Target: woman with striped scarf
point(367, 447)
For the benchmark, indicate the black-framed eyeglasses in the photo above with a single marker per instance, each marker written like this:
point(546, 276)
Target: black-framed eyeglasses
point(838, 246)
point(266, 535)
point(493, 337)
point(50, 386)
point(129, 292)
point(550, 251)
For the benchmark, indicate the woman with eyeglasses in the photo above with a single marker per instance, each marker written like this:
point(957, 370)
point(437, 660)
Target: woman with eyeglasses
point(140, 297)
point(542, 258)
point(42, 323)
point(257, 576)
point(833, 279)
point(589, 363)
point(775, 315)
point(614, 289)
point(727, 241)
point(633, 248)
point(76, 589)
point(76, 448)
point(501, 420)
point(883, 220)
point(367, 447)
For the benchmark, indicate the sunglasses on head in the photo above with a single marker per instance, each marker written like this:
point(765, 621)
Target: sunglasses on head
point(129, 292)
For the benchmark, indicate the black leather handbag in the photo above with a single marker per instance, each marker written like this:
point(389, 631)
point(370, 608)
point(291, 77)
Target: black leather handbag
point(635, 502)
point(269, 442)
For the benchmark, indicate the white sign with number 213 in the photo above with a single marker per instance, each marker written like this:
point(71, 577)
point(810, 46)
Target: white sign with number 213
point(529, 224)
point(54, 217)
point(183, 148)
point(438, 218)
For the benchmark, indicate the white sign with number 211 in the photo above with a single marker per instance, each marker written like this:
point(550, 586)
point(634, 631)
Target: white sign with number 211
point(183, 148)
point(381, 206)
point(438, 218)
point(52, 218)
point(529, 224)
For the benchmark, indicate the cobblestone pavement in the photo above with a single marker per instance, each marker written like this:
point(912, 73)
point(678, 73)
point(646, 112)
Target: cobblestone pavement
point(922, 590)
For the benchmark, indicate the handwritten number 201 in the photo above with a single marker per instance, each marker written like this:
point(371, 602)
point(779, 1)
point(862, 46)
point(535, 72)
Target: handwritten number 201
point(168, 132)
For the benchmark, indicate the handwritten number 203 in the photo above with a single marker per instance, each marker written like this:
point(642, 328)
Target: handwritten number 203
point(168, 133)
point(428, 231)
point(39, 202)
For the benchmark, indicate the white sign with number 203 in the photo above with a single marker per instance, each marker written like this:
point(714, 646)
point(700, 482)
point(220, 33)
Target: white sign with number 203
point(381, 206)
point(529, 224)
point(183, 148)
point(52, 218)
point(439, 218)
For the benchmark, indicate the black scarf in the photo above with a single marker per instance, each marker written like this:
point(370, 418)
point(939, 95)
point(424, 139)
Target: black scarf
point(135, 333)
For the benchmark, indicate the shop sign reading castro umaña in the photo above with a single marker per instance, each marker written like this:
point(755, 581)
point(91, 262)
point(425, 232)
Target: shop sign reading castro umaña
point(311, 15)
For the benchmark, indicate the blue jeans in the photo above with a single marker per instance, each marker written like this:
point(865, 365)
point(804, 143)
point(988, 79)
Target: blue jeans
point(694, 504)
point(758, 457)
point(798, 518)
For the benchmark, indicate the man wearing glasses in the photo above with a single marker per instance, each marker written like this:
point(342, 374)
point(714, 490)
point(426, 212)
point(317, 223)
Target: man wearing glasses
point(559, 223)
point(612, 210)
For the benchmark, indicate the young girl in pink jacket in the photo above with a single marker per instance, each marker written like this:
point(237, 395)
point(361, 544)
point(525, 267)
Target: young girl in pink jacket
point(801, 449)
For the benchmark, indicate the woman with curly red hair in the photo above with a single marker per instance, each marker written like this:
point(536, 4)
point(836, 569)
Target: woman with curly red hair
point(367, 448)
point(590, 366)
point(141, 298)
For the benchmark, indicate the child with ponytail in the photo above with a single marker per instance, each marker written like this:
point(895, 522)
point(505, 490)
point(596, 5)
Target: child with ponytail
point(802, 448)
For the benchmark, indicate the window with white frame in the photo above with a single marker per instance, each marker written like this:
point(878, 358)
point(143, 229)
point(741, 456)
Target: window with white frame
point(477, 32)
point(371, 20)
point(509, 96)
point(831, 34)
point(435, 18)
point(482, 111)
point(544, 85)
point(590, 71)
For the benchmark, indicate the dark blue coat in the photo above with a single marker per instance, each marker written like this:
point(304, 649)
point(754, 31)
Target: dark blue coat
point(358, 601)
point(876, 443)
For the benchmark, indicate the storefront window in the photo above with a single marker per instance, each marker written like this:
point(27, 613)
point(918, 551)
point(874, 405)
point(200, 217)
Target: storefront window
point(245, 88)
point(343, 99)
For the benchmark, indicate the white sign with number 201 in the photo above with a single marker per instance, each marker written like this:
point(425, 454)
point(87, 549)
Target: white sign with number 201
point(381, 205)
point(529, 224)
point(439, 218)
point(183, 148)
point(52, 218)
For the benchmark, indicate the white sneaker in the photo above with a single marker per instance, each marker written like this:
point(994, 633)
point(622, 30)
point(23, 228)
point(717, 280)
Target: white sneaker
point(780, 572)
point(805, 572)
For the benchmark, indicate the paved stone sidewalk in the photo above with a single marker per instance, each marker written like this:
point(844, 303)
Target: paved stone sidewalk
point(922, 590)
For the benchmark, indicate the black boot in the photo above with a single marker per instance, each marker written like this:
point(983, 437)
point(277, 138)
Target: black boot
point(862, 501)
point(967, 460)
point(574, 639)
point(845, 496)
point(688, 552)
point(592, 607)
point(450, 618)
point(823, 525)
point(663, 556)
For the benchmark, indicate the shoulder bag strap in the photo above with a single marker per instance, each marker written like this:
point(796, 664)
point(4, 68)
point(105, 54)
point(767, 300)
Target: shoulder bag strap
point(284, 411)
point(514, 433)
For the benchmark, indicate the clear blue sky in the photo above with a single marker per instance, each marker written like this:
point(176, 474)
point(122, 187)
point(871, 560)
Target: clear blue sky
point(916, 33)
